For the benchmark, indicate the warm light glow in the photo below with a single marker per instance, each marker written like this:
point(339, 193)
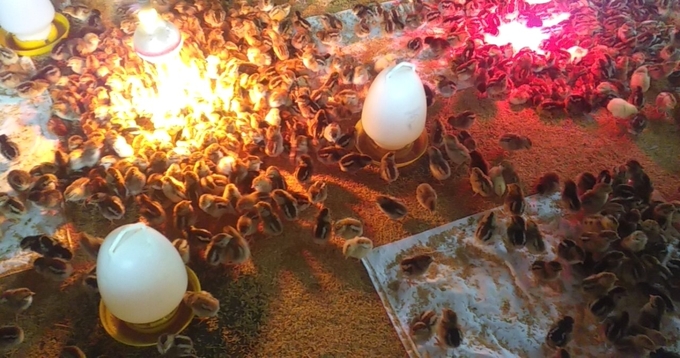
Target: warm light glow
point(577, 53)
point(149, 19)
point(183, 94)
point(516, 33)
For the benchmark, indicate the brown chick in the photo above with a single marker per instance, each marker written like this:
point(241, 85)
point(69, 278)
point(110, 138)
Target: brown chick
point(637, 346)
point(17, 300)
point(546, 271)
point(559, 335)
point(594, 199)
point(392, 207)
point(598, 284)
point(598, 242)
point(417, 265)
point(449, 333)
point(652, 313)
point(514, 201)
point(10, 337)
point(427, 197)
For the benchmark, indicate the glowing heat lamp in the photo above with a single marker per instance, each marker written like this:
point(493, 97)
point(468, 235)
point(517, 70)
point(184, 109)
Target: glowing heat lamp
point(156, 40)
point(516, 33)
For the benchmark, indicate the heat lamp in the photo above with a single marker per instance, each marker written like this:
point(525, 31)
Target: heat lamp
point(31, 27)
point(156, 40)
point(142, 281)
point(393, 116)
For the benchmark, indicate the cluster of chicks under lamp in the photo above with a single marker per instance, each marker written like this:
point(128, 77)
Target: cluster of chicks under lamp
point(624, 258)
point(280, 86)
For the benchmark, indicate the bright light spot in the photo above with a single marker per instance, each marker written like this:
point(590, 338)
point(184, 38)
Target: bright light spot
point(182, 95)
point(577, 53)
point(149, 19)
point(516, 33)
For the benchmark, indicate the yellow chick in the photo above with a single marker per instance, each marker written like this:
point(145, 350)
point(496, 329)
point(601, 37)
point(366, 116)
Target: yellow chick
point(182, 247)
point(457, 152)
point(203, 304)
point(635, 242)
point(215, 206)
point(348, 228)
point(640, 78)
point(90, 244)
point(357, 247)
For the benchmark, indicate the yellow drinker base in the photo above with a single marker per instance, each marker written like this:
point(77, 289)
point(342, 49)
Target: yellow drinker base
point(145, 335)
point(59, 31)
point(403, 157)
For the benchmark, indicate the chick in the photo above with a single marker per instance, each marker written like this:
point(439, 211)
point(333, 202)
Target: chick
point(174, 345)
point(498, 180)
point(463, 120)
point(570, 199)
point(78, 191)
point(10, 337)
point(416, 265)
point(317, 192)
point(348, 228)
point(569, 251)
point(357, 247)
point(615, 326)
point(598, 242)
point(514, 202)
point(427, 197)
point(477, 161)
point(49, 201)
point(151, 210)
point(215, 206)
point(47, 246)
point(182, 247)
point(449, 333)
point(72, 352)
point(394, 208)
point(203, 304)
point(559, 335)
point(548, 183)
point(271, 223)
point(287, 203)
point(439, 167)
point(55, 269)
point(388, 167)
point(513, 142)
point(601, 307)
point(585, 181)
point(598, 284)
point(486, 227)
point(594, 199)
point(135, 181)
point(12, 209)
point(91, 244)
point(636, 346)
point(173, 189)
point(652, 313)
point(640, 78)
point(635, 242)
point(481, 183)
point(421, 325)
point(546, 271)
point(535, 243)
point(183, 215)
point(515, 232)
point(457, 152)
point(354, 162)
point(19, 180)
point(17, 300)
point(323, 226)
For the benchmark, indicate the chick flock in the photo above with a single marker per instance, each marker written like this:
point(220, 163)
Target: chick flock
point(284, 89)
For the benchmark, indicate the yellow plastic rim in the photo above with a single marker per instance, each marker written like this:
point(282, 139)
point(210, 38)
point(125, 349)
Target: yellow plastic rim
point(60, 30)
point(146, 335)
point(403, 157)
